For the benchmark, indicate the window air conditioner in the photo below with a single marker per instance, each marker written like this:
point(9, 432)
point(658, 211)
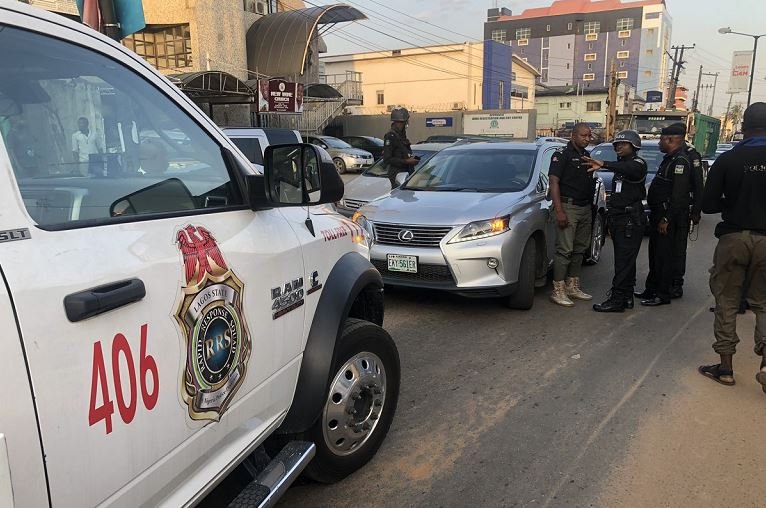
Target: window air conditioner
point(623, 34)
point(260, 7)
point(522, 42)
point(591, 37)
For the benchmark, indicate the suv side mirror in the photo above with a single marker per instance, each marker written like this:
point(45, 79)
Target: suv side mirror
point(295, 175)
point(400, 178)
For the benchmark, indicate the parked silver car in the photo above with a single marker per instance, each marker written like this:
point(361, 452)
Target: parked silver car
point(474, 219)
point(374, 182)
point(343, 155)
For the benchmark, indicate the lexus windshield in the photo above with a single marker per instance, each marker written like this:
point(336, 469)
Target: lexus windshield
point(475, 170)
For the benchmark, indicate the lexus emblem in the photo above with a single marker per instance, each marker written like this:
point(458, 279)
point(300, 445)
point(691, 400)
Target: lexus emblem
point(405, 235)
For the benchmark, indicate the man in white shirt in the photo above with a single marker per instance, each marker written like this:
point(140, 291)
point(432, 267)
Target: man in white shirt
point(84, 144)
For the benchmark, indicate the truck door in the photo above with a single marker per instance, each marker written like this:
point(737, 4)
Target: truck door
point(162, 319)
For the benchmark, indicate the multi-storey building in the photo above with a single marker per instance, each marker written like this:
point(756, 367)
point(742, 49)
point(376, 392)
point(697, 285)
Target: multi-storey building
point(576, 42)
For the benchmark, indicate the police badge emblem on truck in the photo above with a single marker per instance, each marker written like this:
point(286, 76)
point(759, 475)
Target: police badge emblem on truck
point(211, 318)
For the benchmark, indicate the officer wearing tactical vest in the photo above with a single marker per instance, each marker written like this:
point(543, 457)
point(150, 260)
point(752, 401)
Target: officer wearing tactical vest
point(668, 200)
point(697, 185)
point(397, 156)
point(572, 188)
point(625, 216)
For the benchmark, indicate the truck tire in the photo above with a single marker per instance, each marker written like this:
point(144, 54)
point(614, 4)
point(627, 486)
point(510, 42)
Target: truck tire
point(524, 296)
point(340, 165)
point(360, 404)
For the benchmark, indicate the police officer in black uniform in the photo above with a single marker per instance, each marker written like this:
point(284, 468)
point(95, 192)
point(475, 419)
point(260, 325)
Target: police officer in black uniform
point(397, 155)
point(625, 216)
point(668, 200)
point(697, 187)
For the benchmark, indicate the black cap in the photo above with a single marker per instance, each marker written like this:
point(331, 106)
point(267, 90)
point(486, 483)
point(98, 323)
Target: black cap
point(755, 116)
point(676, 129)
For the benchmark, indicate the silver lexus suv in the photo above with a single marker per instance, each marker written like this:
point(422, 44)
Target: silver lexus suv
point(474, 219)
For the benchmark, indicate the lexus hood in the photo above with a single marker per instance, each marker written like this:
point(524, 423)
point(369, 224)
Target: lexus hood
point(448, 208)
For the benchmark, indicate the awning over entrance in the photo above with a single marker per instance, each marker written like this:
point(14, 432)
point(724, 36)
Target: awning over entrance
point(213, 86)
point(322, 91)
point(278, 44)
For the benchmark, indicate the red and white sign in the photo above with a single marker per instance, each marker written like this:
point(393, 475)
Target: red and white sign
point(739, 80)
point(280, 96)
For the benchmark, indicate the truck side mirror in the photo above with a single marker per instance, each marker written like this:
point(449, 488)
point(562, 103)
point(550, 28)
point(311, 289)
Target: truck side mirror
point(295, 175)
point(400, 178)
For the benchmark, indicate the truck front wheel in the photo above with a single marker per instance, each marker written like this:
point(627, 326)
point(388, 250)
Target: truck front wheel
point(360, 405)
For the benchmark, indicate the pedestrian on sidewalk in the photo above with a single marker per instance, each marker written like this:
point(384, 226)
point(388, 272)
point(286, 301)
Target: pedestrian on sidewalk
point(572, 188)
point(625, 216)
point(735, 188)
point(669, 199)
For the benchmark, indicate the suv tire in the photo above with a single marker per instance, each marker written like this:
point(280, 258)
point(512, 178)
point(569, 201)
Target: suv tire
point(597, 239)
point(366, 366)
point(524, 296)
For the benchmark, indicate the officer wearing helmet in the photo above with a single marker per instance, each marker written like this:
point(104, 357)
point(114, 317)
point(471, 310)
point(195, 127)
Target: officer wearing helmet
point(625, 217)
point(397, 156)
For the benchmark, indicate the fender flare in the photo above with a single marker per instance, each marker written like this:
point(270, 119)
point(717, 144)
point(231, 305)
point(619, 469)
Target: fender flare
point(350, 275)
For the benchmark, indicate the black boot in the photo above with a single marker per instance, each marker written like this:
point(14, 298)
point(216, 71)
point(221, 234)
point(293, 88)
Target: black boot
point(676, 292)
point(646, 295)
point(629, 304)
point(614, 303)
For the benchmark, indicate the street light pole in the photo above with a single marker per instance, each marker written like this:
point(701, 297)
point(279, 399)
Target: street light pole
point(752, 68)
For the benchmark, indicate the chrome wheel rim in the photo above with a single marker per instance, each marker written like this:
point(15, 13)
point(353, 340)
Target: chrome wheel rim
point(354, 404)
point(339, 165)
point(598, 240)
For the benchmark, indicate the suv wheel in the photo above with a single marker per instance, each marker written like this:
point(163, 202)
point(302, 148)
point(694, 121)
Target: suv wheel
point(524, 297)
point(360, 405)
point(597, 239)
point(340, 165)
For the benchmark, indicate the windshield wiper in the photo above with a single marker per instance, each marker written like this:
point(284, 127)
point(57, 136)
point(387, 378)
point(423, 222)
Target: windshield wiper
point(456, 189)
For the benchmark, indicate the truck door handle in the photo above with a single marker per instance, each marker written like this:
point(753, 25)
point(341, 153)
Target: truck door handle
point(94, 301)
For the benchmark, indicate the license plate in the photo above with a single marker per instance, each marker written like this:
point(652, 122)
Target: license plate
point(397, 263)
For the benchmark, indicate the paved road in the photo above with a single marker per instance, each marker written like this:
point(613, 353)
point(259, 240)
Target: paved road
point(563, 407)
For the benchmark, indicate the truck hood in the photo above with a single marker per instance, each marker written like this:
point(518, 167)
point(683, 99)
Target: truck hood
point(442, 208)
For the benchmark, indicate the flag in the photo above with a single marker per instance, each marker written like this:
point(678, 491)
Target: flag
point(90, 13)
point(128, 13)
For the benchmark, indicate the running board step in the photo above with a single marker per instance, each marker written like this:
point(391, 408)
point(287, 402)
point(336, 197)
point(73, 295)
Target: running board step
point(279, 474)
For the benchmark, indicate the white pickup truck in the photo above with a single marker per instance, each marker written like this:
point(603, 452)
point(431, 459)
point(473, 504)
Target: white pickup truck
point(168, 307)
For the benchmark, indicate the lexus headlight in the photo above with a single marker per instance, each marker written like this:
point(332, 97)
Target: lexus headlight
point(366, 225)
point(483, 229)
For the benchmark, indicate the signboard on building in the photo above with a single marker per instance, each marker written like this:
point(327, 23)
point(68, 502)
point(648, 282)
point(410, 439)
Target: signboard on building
point(280, 96)
point(445, 121)
point(739, 81)
point(510, 125)
point(653, 96)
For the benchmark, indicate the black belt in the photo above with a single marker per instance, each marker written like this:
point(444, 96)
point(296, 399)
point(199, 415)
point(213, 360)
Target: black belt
point(576, 202)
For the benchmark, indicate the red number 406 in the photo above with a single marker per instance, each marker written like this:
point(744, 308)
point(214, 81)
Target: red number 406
point(147, 367)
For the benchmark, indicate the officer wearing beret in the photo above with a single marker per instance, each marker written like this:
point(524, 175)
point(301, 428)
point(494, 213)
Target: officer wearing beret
point(697, 185)
point(669, 199)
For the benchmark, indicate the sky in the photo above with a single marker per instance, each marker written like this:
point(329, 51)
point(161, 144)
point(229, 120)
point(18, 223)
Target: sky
point(429, 22)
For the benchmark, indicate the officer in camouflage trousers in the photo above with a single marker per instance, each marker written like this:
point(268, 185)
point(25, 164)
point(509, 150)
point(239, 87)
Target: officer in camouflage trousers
point(397, 156)
point(625, 216)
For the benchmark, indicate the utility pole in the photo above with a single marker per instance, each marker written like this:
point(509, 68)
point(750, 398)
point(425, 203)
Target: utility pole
point(678, 63)
point(611, 101)
point(109, 19)
point(726, 118)
point(715, 85)
point(695, 103)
